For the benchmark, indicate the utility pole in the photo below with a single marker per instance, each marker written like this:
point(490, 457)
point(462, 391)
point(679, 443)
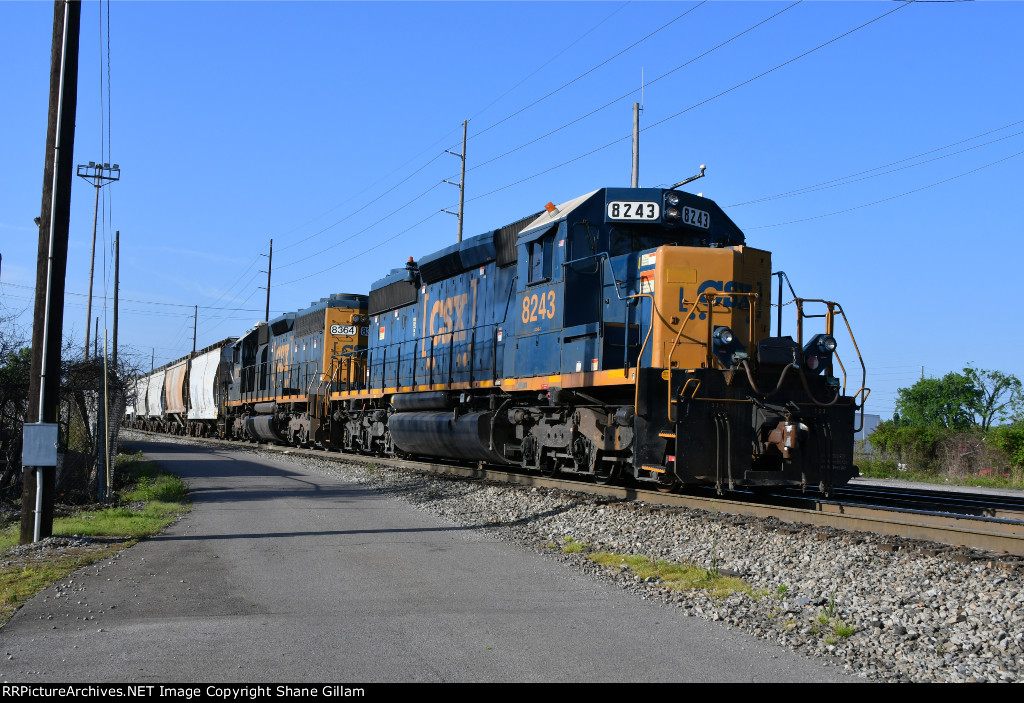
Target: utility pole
point(270, 266)
point(48, 322)
point(117, 263)
point(636, 145)
point(195, 325)
point(99, 174)
point(462, 181)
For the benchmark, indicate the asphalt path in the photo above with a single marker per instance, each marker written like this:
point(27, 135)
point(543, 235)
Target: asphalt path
point(281, 574)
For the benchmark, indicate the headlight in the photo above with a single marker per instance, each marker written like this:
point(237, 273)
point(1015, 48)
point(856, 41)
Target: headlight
point(671, 213)
point(724, 335)
point(672, 198)
point(818, 353)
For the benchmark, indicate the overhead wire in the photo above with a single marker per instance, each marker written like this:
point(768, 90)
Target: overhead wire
point(386, 192)
point(601, 148)
point(854, 177)
point(565, 162)
point(364, 229)
point(145, 302)
point(548, 62)
point(906, 3)
point(230, 288)
point(504, 119)
point(365, 251)
point(631, 92)
point(589, 70)
point(891, 197)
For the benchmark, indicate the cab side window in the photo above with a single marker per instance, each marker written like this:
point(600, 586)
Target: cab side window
point(540, 259)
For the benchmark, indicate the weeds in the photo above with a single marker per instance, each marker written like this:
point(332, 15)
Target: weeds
point(841, 629)
point(678, 577)
point(571, 546)
point(830, 609)
point(162, 498)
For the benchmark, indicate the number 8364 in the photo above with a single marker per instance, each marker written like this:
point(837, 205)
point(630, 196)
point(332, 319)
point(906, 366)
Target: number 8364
point(540, 306)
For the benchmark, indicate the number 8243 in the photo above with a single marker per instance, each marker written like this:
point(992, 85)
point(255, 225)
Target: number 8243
point(538, 306)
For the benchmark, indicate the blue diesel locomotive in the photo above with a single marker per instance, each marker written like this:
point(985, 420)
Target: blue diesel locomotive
point(622, 334)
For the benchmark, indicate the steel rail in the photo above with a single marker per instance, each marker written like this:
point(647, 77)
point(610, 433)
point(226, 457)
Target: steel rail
point(992, 505)
point(983, 533)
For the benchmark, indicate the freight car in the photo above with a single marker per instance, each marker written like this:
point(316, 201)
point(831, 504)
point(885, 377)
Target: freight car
point(186, 396)
point(622, 334)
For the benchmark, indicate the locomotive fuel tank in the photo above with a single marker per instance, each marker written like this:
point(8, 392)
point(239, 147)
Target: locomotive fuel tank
point(477, 436)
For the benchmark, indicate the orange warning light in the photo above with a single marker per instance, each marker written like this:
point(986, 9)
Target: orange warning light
point(550, 207)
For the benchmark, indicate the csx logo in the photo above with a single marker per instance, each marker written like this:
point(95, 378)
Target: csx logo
point(446, 318)
point(724, 301)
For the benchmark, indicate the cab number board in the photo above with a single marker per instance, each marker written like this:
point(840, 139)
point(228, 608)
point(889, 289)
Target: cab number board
point(696, 218)
point(625, 210)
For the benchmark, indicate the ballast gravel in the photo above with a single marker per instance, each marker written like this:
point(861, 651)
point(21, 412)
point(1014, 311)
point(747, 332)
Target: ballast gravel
point(882, 608)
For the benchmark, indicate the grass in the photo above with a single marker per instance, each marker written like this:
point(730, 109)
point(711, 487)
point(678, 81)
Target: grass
point(827, 619)
point(841, 629)
point(1013, 478)
point(677, 577)
point(571, 546)
point(150, 499)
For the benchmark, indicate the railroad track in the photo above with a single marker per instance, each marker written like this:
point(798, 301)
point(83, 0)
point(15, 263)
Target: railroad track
point(962, 519)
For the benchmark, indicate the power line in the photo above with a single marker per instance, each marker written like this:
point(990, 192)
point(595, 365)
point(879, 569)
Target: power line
point(590, 70)
point(853, 178)
point(145, 302)
point(698, 104)
point(366, 251)
point(390, 190)
point(549, 61)
point(392, 213)
point(364, 229)
point(891, 197)
point(907, 3)
point(631, 92)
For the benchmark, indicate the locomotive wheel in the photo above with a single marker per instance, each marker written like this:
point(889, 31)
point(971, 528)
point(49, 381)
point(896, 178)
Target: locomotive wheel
point(668, 484)
point(612, 476)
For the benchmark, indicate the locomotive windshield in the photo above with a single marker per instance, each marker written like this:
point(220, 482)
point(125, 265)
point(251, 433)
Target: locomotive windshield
point(589, 239)
point(626, 240)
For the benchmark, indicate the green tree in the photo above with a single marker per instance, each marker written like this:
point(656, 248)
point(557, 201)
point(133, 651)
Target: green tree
point(950, 402)
point(1000, 395)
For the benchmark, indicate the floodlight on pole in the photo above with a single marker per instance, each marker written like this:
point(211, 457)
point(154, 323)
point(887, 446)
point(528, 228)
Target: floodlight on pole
point(99, 175)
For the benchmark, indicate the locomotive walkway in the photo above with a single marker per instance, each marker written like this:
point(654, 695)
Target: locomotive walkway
point(282, 574)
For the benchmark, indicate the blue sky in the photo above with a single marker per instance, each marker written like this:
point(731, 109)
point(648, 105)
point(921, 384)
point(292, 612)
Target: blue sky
point(323, 125)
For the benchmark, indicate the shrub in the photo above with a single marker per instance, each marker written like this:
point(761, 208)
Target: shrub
point(1010, 439)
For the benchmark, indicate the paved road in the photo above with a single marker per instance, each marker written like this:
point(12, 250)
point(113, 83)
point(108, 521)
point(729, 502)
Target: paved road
point(282, 574)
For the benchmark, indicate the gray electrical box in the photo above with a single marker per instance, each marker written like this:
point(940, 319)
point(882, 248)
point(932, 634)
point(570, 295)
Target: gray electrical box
point(39, 444)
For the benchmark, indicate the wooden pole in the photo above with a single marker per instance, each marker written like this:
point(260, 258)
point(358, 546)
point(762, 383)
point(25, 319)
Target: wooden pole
point(51, 267)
